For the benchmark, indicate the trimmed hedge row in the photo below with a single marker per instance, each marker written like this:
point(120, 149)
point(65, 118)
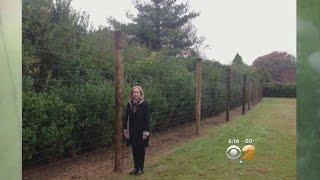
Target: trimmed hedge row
point(279, 90)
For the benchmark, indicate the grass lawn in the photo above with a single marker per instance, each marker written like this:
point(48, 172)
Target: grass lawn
point(272, 126)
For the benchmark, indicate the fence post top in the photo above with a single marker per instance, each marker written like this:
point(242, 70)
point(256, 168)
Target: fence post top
point(118, 39)
point(117, 32)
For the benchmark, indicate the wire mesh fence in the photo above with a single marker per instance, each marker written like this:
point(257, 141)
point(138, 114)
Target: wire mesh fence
point(71, 135)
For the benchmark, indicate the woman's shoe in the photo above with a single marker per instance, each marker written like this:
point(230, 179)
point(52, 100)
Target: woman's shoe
point(139, 172)
point(132, 172)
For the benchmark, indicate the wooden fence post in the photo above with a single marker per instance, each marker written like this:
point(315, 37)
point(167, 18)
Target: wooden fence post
point(255, 94)
point(258, 93)
point(261, 94)
point(249, 94)
point(119, 90)
point(244, 95)
point(252, 93)
point(228, 94)
point(198, 94)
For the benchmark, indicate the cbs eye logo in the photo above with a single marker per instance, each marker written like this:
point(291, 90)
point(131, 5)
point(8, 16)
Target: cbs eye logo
point(234, 152)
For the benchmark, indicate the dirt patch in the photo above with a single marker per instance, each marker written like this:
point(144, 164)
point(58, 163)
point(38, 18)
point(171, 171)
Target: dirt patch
point(99, 164)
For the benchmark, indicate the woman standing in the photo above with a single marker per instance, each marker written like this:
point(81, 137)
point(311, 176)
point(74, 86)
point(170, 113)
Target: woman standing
point(136, 127)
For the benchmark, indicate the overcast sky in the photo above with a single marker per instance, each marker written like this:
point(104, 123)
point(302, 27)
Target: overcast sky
point(250, 27)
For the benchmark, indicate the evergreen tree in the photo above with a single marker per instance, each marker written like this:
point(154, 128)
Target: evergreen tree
point(237, 60)
point(161, 24)
point(238, 64)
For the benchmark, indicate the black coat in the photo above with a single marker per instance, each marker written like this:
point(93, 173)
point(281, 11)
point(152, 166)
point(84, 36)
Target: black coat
point(137, 123)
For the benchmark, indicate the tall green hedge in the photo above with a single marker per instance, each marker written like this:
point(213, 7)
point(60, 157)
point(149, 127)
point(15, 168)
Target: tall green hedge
point(279, 90)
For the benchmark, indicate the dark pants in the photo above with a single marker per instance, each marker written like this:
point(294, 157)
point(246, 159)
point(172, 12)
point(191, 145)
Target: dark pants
point(138, 156)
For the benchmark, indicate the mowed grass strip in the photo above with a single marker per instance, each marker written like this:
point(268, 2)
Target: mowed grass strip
point(272, 126)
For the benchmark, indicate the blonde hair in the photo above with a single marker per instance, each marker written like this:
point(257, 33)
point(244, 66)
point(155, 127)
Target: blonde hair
point(141, 92)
